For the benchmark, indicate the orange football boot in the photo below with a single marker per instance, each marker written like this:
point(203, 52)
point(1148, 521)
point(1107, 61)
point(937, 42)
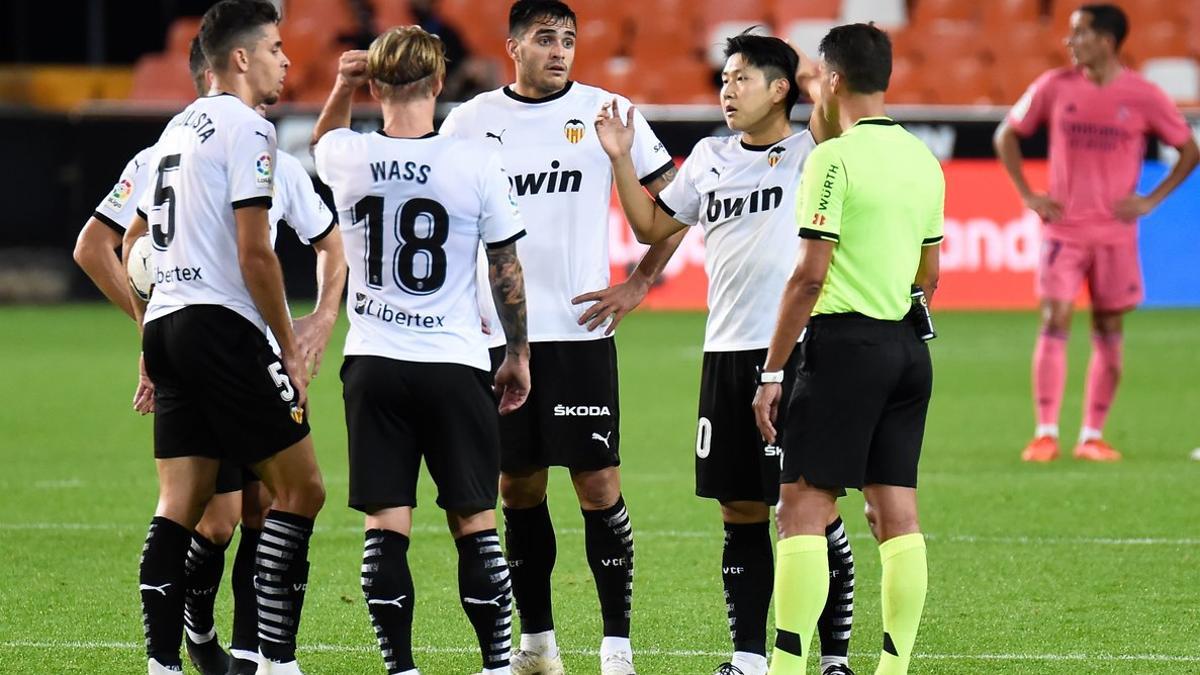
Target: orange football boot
point(1041, 449)
point(1096, 450)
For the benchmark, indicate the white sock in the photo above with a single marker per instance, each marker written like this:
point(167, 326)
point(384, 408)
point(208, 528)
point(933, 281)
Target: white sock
point(244, 655)
point(1046, 430)
point(615, 645)
point(750, 663)
point(827, 661)
point(201, 638)
point(414, 671)
point(540, 643)
point(494, 671)
point(1088, 434)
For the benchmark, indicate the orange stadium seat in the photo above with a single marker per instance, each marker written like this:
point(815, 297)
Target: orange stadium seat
point(162, 77)
point(658, 41)
point(1018, 73)
point(1020, 40)
point(309, 45)
point(683, 81)
point(179, 36)
point(389, 13)
point(1157, 39)
point(930, 11)
point(335, 15)
point(944, 40)
point(721, 11)
point(1001, 14)
point(963, 81)
point(908, 84)
point(784, 12)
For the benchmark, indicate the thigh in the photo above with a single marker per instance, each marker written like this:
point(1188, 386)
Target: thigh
point(733, 463)
point(578, 407)
point(1062, 269)
point(896, 444)
point(1115, 280)
point(458, 434)
point(384, 457)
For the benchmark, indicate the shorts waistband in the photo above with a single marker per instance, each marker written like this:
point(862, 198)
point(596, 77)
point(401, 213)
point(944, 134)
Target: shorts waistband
point(860, 326)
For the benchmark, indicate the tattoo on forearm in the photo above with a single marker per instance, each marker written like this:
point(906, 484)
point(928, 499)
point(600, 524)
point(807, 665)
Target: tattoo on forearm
point(659, 184)
point(508, 290)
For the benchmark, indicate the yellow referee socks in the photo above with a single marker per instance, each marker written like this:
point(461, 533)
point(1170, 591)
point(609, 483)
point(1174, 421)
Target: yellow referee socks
point(801, 585)
point(905, 579)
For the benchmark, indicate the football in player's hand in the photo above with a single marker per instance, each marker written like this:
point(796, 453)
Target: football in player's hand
point(140, 268)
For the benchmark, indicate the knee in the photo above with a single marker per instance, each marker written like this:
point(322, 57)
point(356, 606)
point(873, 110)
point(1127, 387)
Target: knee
point(520, 492)
point(794, 519)
point(598, 491)
point(305, 497)
point(219, 532)
point(738, 513)
point(891, 525)
point(872, 520)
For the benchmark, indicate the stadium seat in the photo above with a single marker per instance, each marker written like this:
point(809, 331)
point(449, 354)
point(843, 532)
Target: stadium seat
point(713, 12)
point(907, 85)
point(660, 41)
point(162, 77)
point(682, 81)
point(1157, 39)
point(964, 80)
point(784, 12)
point(806, 35)
point(999, 15)
point(335, 15)
point(1019, 72)
point(885, 13)
point(930, 11)
point(181, 33)
point(720, 32)
point(1019, 40)
point(389, 13)
point(1179, 77)
point(945, 40)
point(309, 45)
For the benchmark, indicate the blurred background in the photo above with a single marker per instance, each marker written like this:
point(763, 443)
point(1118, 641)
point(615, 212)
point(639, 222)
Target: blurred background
point(85, 84)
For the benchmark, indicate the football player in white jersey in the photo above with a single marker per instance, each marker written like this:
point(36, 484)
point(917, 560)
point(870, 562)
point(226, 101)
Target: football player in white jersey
point(219, 390)
point(239, 496)
point(541, 124)
point(741, 189)
point(415, 207)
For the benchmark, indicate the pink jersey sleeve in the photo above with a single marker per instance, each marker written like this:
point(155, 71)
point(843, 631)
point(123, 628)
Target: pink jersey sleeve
point(1164, 118)
point(1033, 109)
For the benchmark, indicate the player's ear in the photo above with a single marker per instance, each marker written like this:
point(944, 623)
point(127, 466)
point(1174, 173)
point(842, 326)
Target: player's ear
point(510, 47)
point(438, 85)
point(240, 59)
point(374, 90)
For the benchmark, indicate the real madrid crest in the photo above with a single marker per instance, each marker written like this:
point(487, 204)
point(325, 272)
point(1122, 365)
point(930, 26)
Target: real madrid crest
point(775, 155)
point(574, 131)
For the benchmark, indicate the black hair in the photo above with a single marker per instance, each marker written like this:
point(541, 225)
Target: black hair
point(773, 56)
point(197, 64)
point(1109, 20)
point(525, 13)
point(231, 23)
point(862, 54)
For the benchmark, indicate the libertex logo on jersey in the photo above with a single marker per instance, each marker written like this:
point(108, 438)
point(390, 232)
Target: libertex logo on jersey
point(366, 306)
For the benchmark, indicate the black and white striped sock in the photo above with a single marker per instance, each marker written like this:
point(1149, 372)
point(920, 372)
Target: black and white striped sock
point(486, 593)
point(836, 619)
point(281, 570)
point(608, 542)
point(387, 587)
point(244, 634)
point(160, 580)
point(202, 577)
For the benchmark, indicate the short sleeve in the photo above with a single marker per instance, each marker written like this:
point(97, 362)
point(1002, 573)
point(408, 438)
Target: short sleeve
point(933, 232)
point(1032, 110)
point(680, 199)
point(822, 191)
point(120, 205)
point(500, 222)
point(453, 125)
point(1164, 118)
point(337, 155)
point(304, 210)
point(251, 163)
point(650, 158)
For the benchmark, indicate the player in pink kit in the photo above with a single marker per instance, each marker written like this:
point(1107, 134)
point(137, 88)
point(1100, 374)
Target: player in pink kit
point(1098, 114)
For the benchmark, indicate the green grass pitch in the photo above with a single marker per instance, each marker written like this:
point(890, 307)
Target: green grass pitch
point(1064, 568)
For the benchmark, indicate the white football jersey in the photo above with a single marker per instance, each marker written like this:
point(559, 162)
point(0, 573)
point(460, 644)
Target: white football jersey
point(297, 203)
point(563, 183)
point(413, 214)
point(119, 206)
point(216, 156)
point(745, 198)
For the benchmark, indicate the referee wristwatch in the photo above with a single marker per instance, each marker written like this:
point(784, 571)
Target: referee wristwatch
point(770, 376)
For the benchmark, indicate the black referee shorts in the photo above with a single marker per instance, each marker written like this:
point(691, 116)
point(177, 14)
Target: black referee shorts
point(857, 412)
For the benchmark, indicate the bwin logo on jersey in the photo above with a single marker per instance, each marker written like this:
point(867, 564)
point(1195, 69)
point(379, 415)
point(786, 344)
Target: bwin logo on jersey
point(548, 182)
point(733, 207)
point(574, 131)
point(775, 155)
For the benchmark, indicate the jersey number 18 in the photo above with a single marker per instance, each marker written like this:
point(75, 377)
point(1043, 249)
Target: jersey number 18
point(419, 262)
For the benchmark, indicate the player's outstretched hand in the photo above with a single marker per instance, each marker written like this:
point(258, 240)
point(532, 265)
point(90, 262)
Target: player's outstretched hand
point(1133, 207)
point(512, 383)
point(612, 303)
point(1045, 206)
point(616, 137)
point(312, 335)
point(766, 409)
point(143, 396)
point(352, 68)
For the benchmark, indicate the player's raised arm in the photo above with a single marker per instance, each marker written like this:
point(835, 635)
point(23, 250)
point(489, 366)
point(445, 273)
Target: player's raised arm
point(352, 74)
point(649, 223)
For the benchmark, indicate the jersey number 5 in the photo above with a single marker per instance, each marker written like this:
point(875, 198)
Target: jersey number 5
point(162, 231)
point(421, 229)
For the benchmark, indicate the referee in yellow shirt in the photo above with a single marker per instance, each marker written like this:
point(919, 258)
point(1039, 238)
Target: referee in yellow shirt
point(870, 215)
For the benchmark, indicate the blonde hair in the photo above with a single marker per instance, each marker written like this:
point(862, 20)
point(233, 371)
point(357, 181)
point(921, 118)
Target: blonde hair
point(406, 62)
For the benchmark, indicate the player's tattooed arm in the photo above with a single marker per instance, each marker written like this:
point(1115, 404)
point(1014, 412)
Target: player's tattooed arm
point(508, 291)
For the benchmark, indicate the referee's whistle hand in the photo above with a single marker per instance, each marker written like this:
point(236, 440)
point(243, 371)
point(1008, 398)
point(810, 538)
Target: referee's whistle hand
point(766, 407)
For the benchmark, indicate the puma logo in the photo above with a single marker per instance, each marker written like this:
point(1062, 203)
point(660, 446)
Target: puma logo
point(395, 602)
point(715, 172)
point(499, 137)
point(494, 601)
point(603, 439)
point(161, 589)
point(259, 133)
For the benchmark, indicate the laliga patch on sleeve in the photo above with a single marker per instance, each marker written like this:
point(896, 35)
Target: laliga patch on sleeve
point(262, 170)
point(120, 194)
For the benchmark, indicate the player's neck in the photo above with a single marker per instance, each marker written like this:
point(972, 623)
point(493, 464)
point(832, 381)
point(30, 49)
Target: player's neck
point(527, 90)
point(1104, 72)
point(855, 107)
point(237, 86)
point(410, 119)
point(770, 131)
